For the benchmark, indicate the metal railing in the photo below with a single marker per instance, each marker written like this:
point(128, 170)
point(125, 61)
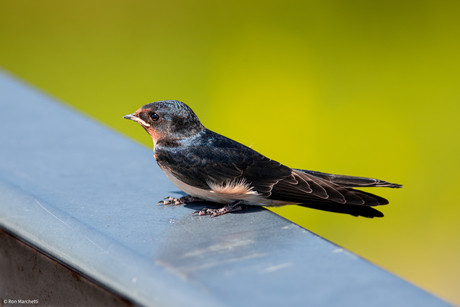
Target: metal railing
point(86, 196)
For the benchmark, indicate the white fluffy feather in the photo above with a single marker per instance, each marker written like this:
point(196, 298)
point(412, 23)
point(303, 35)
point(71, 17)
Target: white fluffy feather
point(226, 193)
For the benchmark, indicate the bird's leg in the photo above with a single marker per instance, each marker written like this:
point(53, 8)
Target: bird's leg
point(179, 201)
point(235, 206)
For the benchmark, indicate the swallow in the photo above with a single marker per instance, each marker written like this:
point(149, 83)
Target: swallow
point(208, 166)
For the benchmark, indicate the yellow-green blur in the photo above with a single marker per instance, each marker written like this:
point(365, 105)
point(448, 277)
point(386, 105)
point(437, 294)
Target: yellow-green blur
point(365, 88)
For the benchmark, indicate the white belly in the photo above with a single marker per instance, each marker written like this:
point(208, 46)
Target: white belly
point(225, 193)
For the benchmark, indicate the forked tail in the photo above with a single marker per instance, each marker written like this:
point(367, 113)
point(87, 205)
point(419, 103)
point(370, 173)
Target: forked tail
point(352, 181)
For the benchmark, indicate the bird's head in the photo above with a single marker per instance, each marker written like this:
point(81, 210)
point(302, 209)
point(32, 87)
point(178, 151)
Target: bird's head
point(168, 119)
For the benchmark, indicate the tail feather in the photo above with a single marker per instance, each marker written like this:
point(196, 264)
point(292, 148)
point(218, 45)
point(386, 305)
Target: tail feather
point(369, 198)
point(352, 181)
point(363, 211)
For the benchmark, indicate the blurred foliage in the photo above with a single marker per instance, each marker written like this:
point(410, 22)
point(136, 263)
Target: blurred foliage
point(366, 88)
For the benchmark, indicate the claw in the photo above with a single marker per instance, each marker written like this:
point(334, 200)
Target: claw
point(179, 201)
point(170, 201)
point(205, 211)
point(216, 212)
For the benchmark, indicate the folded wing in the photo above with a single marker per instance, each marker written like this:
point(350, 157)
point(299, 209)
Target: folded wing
point(222, 160)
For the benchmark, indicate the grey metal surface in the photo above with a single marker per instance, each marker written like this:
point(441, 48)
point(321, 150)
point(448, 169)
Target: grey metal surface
point(86, 196)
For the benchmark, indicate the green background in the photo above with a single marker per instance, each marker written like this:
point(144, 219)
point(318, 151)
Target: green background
point(366, 88)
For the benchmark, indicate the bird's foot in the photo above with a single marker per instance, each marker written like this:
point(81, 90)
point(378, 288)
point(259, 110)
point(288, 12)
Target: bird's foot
point(179, 201)
point(236, 206)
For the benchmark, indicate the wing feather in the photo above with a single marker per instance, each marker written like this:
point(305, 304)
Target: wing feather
point(215, 159)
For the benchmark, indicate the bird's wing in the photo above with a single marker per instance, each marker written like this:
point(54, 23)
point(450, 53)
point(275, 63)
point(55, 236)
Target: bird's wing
point(222, 162)
point(352, 181)
point(213, 158)
point(301, 187)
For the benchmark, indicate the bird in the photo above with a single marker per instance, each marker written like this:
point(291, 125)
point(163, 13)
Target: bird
point(208, 166)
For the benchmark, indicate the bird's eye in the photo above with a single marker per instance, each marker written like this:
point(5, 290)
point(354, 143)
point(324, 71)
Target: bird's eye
point(155, 116)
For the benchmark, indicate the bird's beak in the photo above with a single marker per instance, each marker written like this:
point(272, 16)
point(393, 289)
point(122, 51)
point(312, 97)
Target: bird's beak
point(135, 118)
point(130, 116)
